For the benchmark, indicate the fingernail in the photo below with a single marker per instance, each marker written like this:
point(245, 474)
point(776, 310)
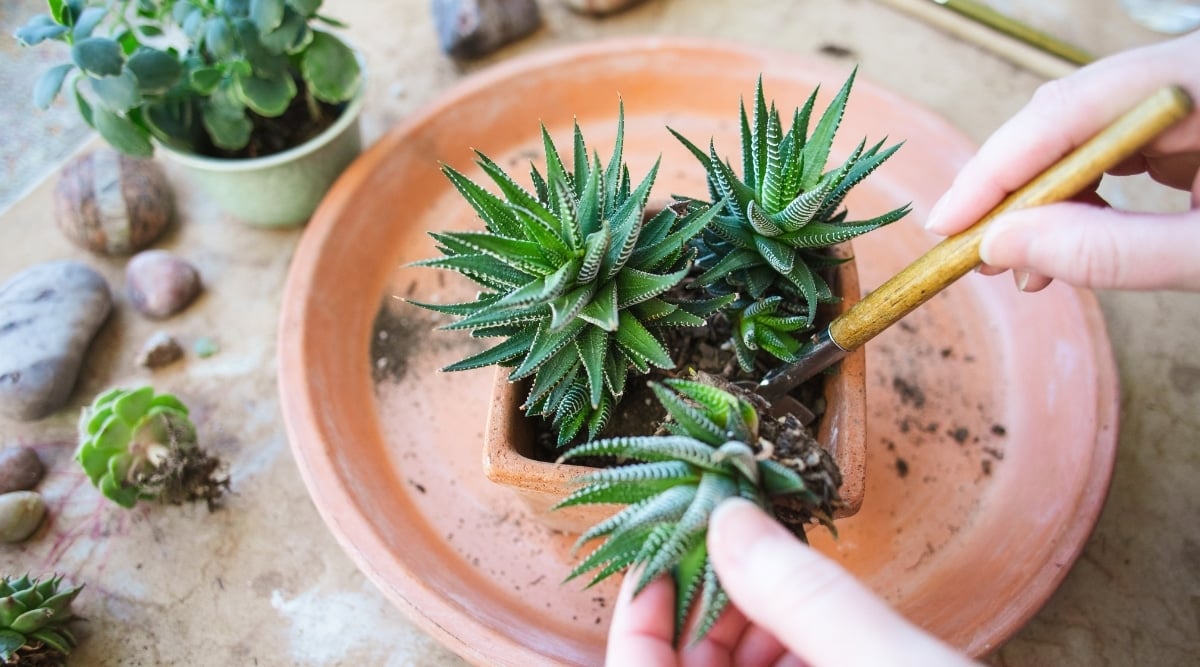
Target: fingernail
point(935, 213)
point(1022, 278)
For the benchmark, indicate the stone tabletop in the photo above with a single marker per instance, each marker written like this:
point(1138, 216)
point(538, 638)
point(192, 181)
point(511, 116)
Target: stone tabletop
point(262, 582)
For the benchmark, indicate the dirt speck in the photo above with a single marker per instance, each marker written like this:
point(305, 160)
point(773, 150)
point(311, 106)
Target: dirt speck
point(901, 467)
point(986, 466)
point(999, 430)
point(960, 434)
point(910, 393)
point(836, 50)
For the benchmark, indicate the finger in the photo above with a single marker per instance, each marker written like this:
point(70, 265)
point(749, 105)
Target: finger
point(989, 270)
point(717, 647)
point(643, 627)
point(1100, 248)
point(758, 647)
point(1061, 116)
point(814, 607)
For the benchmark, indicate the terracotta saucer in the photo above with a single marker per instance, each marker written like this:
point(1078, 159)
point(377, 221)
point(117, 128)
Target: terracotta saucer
point(992, 415)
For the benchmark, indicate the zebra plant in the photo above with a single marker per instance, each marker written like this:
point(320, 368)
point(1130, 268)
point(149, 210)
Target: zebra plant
point(574, 280)
point(714, 451)
point(769, 237)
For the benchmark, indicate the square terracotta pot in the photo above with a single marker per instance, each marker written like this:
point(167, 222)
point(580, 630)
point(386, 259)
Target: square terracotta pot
point(509, 441)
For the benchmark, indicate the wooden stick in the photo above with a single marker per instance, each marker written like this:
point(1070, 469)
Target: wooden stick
point(1011, 49)
point(954, 257)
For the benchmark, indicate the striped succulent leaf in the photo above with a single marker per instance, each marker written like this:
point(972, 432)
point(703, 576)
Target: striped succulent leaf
point(768, 236)
point(574, 280)
point(677, 480)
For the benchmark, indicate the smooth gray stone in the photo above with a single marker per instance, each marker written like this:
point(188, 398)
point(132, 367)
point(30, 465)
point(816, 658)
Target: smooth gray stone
point(49, 314)
point(473, 28)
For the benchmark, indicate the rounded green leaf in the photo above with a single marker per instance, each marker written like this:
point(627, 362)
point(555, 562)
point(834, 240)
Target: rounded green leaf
point(117, 93)
point(268, 97)
point(39, 29)
point(132, 406)
point(48, 85)
point(157, 71)
point(227, 128)
point(218, 38)
point(234, 7)
point(125, 496)
point(98, 56)
point(205, 79)
point(172, 122)
point(88, 20)
point(266, 14)
point(291, 35)
point(330, 68)
point(305, 7)
point(122, 134)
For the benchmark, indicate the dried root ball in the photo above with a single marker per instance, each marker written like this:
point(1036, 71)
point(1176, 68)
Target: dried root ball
point(112, 204)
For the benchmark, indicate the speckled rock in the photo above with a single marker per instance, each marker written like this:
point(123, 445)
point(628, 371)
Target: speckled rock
point(160, 284)
point(112, 204)
point(20, 469)
point(473, 28)
point(159, 350)
point(21, 512)
point(600, 7)
point(49, 314)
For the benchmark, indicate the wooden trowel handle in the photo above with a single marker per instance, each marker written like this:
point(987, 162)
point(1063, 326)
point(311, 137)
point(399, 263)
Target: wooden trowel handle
point(954, 257)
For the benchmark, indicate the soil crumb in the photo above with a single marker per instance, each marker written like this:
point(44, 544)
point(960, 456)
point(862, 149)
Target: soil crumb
point(960, 434)
point(910, 393)
point(901, 467)
point(999, 430)
point(836, 50)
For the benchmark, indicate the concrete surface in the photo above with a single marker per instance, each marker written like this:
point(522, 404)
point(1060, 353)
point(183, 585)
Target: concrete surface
point(263, 583)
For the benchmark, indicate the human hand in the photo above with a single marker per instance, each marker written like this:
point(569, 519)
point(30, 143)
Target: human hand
point(1084, 242)
point(797, 607)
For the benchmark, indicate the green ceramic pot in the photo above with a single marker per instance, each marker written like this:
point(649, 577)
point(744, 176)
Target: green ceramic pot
point(280, 190)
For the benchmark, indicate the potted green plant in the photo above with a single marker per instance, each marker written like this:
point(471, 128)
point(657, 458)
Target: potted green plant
point(258, 103)
point(587, 291)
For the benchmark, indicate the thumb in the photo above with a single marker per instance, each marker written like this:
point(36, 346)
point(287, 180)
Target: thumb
point(811, 605)
point(1090, 246)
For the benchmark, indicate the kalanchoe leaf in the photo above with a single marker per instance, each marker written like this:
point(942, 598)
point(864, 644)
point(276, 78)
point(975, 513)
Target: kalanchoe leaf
point(268, 97)
point(48, 85)
point(157, 71)
point(121, 133)
point(117, 93)
point(38, 29)
point(98, 56)
point(266, 14)
point(330, 68)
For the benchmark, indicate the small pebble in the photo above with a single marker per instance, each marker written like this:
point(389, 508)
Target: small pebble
point(21, 512)
point(20, 469)
point(600, 7)
point(474, 28)
point(112, 204)
point(159, 350)
point(49, 314)
point(160, 284)
point(205, 347)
